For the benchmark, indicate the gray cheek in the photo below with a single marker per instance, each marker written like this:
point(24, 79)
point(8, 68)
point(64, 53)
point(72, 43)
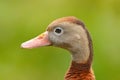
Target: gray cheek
point(53, 38)
point(56, 40)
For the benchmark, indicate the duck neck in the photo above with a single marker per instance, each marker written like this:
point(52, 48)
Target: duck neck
point(80, 71)
point(81, 65)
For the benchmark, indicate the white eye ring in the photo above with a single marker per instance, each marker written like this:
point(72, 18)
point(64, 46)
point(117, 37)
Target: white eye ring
point(58, 31)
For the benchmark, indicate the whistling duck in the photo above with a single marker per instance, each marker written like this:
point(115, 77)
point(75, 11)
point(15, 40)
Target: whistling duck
point(71, 34)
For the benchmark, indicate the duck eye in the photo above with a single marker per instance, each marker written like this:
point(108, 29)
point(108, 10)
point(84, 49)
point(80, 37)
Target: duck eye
point(58, 30)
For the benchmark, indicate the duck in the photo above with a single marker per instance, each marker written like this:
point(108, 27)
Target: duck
point(71, 34)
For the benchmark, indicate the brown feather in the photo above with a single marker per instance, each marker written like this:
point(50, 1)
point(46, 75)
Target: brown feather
point(79, 71)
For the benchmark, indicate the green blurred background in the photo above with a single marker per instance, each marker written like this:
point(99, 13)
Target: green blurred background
point(21, 20)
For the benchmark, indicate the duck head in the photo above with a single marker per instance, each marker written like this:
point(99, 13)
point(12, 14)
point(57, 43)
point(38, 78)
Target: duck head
point(68, 33)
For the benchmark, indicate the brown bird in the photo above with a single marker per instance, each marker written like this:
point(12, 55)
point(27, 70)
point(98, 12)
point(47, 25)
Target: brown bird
point(71, 34)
